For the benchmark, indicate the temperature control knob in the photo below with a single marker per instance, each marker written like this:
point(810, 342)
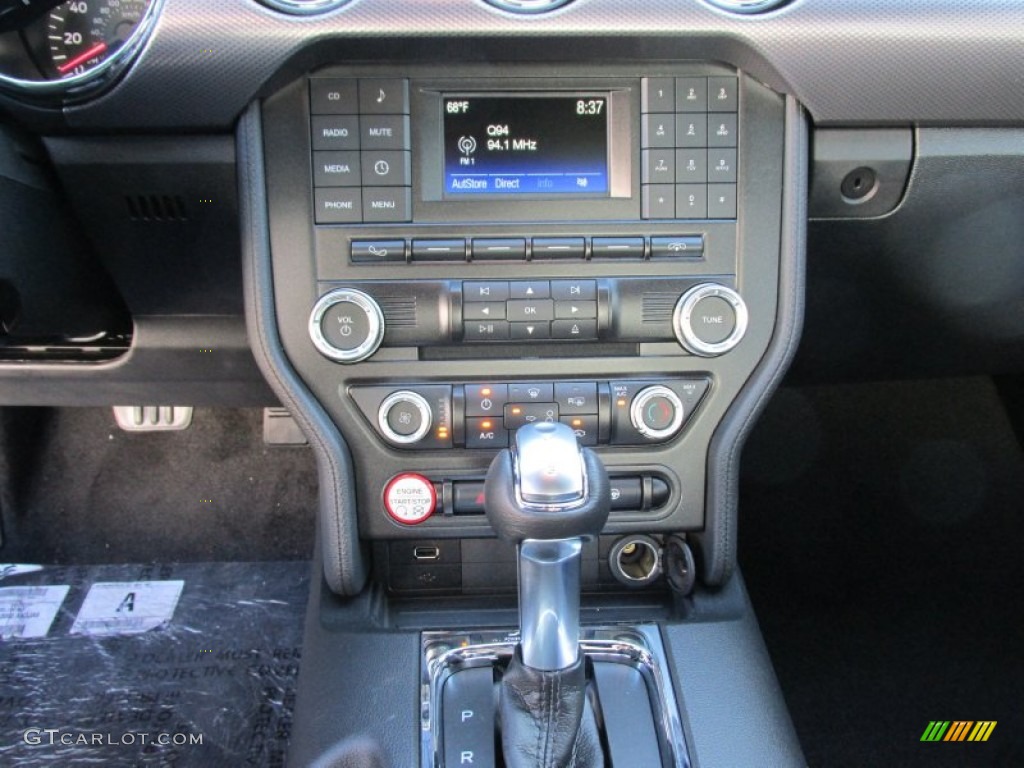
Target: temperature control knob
point(404, 417)
point(710, 319)
point(346, 325)
point(656, 412)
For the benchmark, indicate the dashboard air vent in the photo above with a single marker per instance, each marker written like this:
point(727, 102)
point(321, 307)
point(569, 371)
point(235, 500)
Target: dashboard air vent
point(747, 6)
point(527, 6)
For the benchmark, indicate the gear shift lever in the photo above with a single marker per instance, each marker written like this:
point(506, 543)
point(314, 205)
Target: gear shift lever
point(545, 495)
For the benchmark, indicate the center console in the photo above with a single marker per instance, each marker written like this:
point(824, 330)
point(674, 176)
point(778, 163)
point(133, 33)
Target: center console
point(440, 257)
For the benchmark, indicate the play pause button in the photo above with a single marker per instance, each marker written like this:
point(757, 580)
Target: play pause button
point(530, 331)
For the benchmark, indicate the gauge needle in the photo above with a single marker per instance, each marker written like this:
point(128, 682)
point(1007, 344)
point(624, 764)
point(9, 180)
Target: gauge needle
point(83, 57)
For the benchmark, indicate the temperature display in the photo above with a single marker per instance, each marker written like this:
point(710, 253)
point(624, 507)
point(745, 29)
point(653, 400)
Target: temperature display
point(526, 145)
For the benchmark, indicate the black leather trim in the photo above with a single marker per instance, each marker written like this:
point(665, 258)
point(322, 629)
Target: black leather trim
point(514, 524)
point(344, 565)
point(716, 544)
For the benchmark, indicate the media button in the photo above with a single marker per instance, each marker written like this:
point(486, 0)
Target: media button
point(484, 290)
point(485, 330)
point(336, 169)
point(574, 290)
point(384, 96)
point(377, 251)
point(384, 131)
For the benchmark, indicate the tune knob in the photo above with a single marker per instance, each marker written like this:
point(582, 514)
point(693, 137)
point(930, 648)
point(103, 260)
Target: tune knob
point(656, 412)
point(346, 325)
point(710, 319)
point(404, 417)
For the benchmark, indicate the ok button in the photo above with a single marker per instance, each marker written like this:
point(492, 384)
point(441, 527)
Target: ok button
point(522, 310)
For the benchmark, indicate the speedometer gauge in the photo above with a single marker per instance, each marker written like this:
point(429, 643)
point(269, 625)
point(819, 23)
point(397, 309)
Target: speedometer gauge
point(82, 34)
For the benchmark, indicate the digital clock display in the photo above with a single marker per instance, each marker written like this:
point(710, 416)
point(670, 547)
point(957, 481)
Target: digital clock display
point(533, 145)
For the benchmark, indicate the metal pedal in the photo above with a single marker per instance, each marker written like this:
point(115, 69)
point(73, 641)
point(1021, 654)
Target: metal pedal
point(153, 418)
point(279, 428)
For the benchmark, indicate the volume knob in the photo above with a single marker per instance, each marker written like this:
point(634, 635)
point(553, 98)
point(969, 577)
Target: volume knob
point(710, 319)
point(346, 325)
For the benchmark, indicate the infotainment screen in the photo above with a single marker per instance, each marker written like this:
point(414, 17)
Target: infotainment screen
point(526, 144)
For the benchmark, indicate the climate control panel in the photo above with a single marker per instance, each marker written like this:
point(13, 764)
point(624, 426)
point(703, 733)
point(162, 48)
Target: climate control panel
point(483, 415)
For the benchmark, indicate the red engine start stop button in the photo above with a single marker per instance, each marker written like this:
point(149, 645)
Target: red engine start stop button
point(410, 498)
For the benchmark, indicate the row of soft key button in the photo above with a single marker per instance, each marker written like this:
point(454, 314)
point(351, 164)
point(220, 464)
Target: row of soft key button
point(689, 147)
point(362, 168)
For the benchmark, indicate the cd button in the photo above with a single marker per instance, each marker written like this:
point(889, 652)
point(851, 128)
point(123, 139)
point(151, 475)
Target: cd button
point(384, 97)
point(336, 169)
point(384, 131)
point(387, 204)
point(691, 94)
point(386, 168)
point(330, 132)
point(484, 290)
point(617, 248)
point(499, 249)
point(438, 250)
point(478, 330)
point(574, 290)
point(526, 310)
point(658, 131)
point(530, 331)
point(576, 309)
point(483, 310)
point(530, 289)
point(331, 96)
point(558, 248)
point(574, 329)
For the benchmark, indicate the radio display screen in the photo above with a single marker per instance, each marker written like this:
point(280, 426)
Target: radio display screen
point(534, 145)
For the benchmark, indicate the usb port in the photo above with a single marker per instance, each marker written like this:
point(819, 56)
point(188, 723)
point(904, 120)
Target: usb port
point(426, 553)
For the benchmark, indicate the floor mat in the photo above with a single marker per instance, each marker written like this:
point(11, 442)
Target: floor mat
point(881, 529)
point(76, 489)
point(187, 665)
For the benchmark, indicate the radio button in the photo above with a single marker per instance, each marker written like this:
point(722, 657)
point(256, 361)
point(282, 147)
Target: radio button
point(574, 290)
point(338, 205)
point(692, 201)
point(438, 250)
point(691, 94)
point(377, 251)
point(499, 249)
point(657, 94)
point(680, 246)
point(384, 96)
point(575, 397)
point(559, 248)
point(617, 248)
point(478, 330)
point(483, 310)
point(659, 201)
point(574, 329)
point(486, 399)
point(691, 166)
point(722, 94)
point(658, 131)
point(384, 131)
point(531, 392)
point(331, 96)
point(387, 204)
point(486, 433)
point(530, 331)
point(336, 169)
point(530, 289)
point(484, 290)
point(659, 166)
point(528, 310)
point(331, 132)
point(386, 168)
point(576, 310)
point(721, 130)
point(691, 131)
